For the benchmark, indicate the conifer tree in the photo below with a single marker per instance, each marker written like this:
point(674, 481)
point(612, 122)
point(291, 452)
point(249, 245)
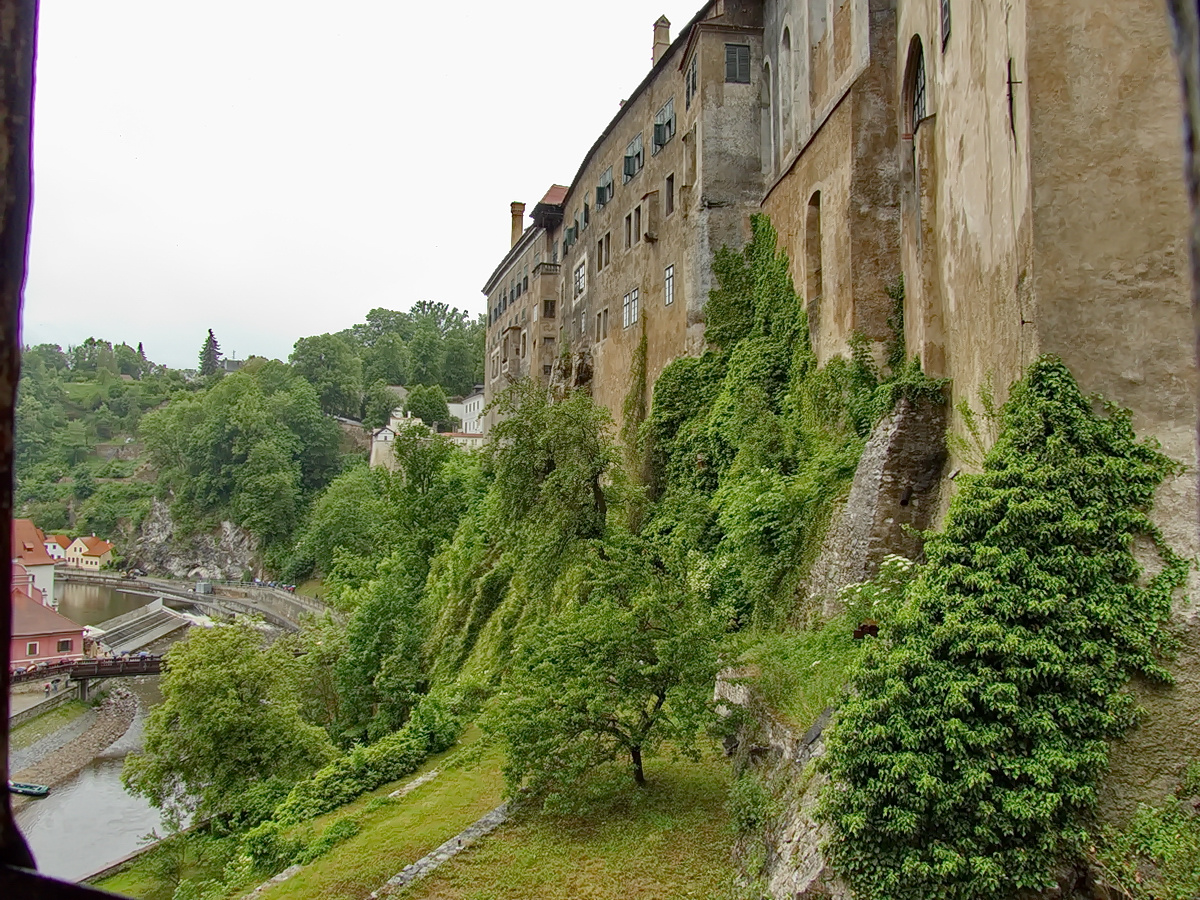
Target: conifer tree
point(210, 355)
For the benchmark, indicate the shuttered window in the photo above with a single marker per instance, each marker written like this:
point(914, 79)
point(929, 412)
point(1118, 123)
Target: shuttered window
point(737, 63)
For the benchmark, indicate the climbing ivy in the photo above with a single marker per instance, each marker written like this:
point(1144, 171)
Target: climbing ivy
point(966, 761)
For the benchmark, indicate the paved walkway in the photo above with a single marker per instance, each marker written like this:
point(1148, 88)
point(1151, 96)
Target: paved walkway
point(18, 702)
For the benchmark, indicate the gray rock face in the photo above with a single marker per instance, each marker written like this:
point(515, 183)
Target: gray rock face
point(161, 549)
point(782, 860)
point(894, 493)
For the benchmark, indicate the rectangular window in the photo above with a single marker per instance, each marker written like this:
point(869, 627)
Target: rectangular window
point(600, 255)
point(587, 217)
point(635, 158)
point(581, 278)
point(625, 311)
point(546, 370)
point(31, 649)
point(607, 247)
point(637, 224)
point(633, 306)
point(554, 253)
point(605, 189)
point(548, 309)
point(669, 286)
point(737, 64)
point(629, 231)
point(691, 84)
point(604, 322)
point(664, 126)
point(669, 202)
point(597, 326)
point(66, 646)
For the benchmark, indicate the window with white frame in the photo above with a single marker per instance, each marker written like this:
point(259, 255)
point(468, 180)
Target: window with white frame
point(66, 646)
point(580, 277)
point(669, 285)
point(629, 308)
point(31, 649)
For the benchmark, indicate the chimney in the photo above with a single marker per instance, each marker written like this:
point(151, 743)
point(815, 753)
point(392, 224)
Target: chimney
point(518, 221)
point(662, 38)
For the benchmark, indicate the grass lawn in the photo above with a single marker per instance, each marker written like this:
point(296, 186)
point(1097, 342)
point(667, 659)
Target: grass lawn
point(46, 724)
point(397, 834)
point(668, 841)
point(143, 877)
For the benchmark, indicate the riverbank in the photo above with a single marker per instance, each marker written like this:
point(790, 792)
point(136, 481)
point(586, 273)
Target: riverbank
point(111, 721)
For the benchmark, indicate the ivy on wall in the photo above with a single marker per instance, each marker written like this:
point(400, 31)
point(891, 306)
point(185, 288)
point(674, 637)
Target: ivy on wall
point(966, 760)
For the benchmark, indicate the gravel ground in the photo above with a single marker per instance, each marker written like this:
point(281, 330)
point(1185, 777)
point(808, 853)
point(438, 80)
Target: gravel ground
point(112, 720)
point(43, 747)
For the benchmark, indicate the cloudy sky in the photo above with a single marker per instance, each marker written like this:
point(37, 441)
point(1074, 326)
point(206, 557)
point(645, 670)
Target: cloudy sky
point(276, 168)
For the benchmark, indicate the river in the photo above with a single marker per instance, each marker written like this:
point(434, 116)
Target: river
point(89, 821)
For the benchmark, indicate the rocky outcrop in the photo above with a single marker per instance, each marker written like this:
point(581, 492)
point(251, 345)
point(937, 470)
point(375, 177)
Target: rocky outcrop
point(894, 496)
point(783, 858)
point(161, 549)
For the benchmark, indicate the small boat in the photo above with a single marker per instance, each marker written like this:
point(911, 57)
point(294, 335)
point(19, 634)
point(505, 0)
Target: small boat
point(29, 790)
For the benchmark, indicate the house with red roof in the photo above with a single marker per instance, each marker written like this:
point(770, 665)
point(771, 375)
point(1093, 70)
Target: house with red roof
point(39, 634)
point(89, 552)
point(29, 551)
point(56, 546)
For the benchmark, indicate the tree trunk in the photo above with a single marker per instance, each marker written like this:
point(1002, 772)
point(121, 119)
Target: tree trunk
point(1185, 19)
point(635, 754)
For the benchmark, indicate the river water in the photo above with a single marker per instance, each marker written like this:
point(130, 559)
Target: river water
point(89, 821)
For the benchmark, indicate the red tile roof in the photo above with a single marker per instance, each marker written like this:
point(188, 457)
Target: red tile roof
point(556, 195)
point(62, 540)
point(31, 618)
point(29, 544)
point(95, 546)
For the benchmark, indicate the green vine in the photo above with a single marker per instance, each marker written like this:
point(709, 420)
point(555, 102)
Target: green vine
point(965, 763)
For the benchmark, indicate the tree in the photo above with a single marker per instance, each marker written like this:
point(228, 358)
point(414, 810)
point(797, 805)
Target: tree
point(609, 679)
point(378, 405)
point(210, 355)
point(428, 403)
point(331, 366)
point(228, 723)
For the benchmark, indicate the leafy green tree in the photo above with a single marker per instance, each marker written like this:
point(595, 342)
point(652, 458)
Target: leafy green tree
point(84, 483)
point(228, 723)
point(611, 679)
point(331, 366)
point(210, 355)
point(378, 405)
point(428, 403)
point(387, 360)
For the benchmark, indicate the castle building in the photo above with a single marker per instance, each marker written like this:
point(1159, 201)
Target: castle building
point(1015, 164)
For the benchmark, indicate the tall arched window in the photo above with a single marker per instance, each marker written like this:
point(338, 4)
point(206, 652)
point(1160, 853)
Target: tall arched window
point(767, 119)
point(813, 282)
point(914, 88)
point(786, 94)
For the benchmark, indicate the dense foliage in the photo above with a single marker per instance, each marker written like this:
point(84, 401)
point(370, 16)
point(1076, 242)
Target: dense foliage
point(967, 758)
point(227, 732)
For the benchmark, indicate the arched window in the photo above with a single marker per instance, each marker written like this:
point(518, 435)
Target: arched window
point(767, 120)
point(786, 94)
point(914, 88)
point(813, 282)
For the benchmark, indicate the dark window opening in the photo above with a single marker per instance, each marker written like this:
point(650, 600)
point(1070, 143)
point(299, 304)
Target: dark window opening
point(737, 64)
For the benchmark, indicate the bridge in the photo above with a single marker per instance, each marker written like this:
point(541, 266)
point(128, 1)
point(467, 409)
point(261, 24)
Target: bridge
point(279, 607)
point(84, 670)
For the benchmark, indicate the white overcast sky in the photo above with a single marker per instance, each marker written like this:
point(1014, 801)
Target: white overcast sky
point(272, 169)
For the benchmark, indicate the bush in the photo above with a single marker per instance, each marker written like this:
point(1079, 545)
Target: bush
point(431, 729)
